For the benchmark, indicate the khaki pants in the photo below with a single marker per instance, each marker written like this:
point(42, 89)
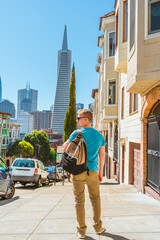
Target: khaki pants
point(92, 182)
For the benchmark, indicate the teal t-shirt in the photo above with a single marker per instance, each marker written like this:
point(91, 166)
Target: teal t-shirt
point(94, 140)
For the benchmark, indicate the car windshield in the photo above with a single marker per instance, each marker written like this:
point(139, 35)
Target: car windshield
point(24, 163)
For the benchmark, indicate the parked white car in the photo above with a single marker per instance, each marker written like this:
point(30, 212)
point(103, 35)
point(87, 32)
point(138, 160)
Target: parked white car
point(27, 170)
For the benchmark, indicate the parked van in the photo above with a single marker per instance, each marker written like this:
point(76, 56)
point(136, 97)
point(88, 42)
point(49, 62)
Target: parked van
point(7, 188)
point(27, 170)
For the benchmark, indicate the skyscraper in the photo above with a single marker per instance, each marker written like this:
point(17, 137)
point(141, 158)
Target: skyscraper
point(63, 82)
point(27, 99)
point(0, 89)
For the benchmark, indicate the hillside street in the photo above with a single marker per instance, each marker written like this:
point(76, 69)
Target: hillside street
point(48, 213)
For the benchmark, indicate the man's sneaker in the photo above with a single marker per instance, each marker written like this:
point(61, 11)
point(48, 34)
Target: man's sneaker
point(80, 235)
point(101, 230)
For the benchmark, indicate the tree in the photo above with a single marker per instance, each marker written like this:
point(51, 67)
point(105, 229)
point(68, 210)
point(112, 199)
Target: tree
point(70, 123)
point(13, 149)
point(52, 155)
point(25, 149)
point(40, 142)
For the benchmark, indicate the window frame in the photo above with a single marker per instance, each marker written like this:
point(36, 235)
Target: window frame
point(131, 46)
point(124, 21)
point(116, 35)
point(108, 81)
point(151, 33)
point(132, 103)
point(122, 103)
point(109, 44)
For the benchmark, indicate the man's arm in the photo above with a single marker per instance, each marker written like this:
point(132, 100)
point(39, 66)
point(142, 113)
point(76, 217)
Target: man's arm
point(101, 162)
point(65, 145)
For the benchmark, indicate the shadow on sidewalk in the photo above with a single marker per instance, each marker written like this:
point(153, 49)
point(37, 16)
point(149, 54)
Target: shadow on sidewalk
point(4, 202)
point(113, 236)
point(108, 183)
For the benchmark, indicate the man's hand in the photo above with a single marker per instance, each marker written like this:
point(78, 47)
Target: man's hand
point(100, 176)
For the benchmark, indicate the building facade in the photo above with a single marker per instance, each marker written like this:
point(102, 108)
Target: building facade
point(14, 132)
point(7, 107)
point(27, 100)
point(41, 119)
point(4, 133)
point(136, 62)
point(62, 90)
point(25, 119)
point(54, 139)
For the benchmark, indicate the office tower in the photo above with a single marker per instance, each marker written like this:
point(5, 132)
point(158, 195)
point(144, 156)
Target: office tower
point(27, 99)
point(62, 91)
point(90, 107)
point(41, 119)
point(7, 107)
point(25, 119)
point(79, 106)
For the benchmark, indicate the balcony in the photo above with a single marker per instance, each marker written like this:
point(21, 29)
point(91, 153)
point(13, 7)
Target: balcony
point(144, 57)
point(121, 36)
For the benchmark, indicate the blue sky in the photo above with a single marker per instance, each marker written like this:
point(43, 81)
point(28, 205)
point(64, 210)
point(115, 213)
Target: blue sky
point(31, 33)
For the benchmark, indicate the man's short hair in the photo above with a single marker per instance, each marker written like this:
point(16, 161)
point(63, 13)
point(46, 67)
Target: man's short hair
point(86, 113)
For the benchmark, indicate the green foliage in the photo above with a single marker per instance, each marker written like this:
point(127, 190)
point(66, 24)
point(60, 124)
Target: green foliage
point(25, 149)
point(52, 155)
point(13, 149)
point(70, 123)
point(40, 142)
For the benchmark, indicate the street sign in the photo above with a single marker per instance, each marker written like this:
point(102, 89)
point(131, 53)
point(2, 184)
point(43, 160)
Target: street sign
point(58, 157)
point(59, 149)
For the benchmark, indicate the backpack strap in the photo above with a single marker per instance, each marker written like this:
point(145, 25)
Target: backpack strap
point(79, 135)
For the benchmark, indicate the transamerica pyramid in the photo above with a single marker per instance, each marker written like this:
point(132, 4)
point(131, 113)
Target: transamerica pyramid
point(62, 90)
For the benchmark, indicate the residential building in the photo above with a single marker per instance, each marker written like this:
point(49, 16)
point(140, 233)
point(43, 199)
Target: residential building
point(54, 138)
point(62, 90)
point(95, 108)
point(136, 62)
point(108, 93)
point(4, 133)
point(41, 119)
point(14, 132)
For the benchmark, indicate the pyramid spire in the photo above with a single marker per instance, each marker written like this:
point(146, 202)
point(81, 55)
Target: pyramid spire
point(65, 45)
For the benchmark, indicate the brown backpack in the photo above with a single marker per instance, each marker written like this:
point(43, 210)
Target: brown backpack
point(74, 160)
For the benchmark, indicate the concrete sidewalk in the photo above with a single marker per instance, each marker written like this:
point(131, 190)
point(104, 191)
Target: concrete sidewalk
point(48, 213)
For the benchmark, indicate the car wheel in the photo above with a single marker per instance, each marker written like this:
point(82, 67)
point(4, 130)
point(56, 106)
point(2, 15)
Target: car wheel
point(38, 183)
point(47, 181)
point(10, 192)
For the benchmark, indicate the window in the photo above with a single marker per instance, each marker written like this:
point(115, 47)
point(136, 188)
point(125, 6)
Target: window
point(112, 44)
point(4, 140)
point(153, 16)
point(132, 23)
point(4, 123)
point(112, 92)
point(125, 21)
point(122, 104)
point(133, 102)
point(110, 138)
point(117, 29)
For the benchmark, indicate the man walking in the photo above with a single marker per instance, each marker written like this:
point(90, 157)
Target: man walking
point(95, 146)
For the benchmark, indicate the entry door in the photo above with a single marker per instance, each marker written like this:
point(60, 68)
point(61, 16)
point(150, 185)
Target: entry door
point(137, 168)
point(123, 162)
point(153, 153)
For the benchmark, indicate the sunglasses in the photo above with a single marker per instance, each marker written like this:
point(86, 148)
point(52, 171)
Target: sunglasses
point(80, 117)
